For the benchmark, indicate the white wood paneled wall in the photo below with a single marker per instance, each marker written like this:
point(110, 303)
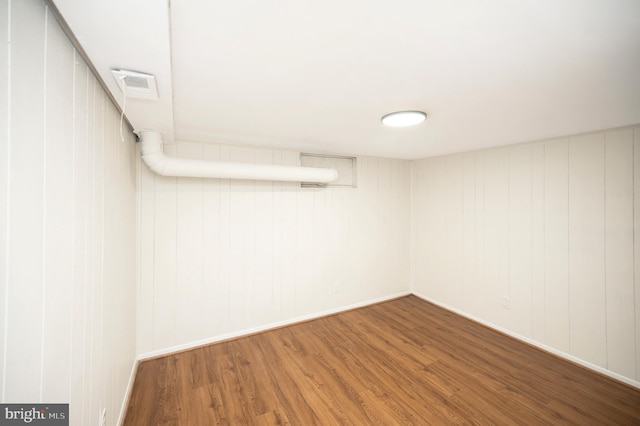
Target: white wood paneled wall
point(546, 228)
point(67, 225)
point(220, 256)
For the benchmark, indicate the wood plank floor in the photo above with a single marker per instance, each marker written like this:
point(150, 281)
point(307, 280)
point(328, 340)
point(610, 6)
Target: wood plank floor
point(400, 362)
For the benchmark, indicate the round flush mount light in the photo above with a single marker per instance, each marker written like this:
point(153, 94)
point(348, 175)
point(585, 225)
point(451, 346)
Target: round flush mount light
point(403, 118)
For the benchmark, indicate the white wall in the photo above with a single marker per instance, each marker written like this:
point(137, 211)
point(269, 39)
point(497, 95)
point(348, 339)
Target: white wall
point(550, 225)
point(220, 257)
point(67, 225)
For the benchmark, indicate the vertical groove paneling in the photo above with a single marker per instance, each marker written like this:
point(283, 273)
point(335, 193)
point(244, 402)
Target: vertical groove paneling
point(553, 229)
point(365, 218)
point(91, 258)
point(241, 206)
point(400, 201)
point(520, 211)
point(556, 244)
point(109, 266)
point(98, 364)
point(478, 294)
point(619, 251)
point(319, 253)
point(225, 249)
point(45, 206)
point(25, 281)
point(289, 235)
point(496, 235)
point(469, 247)
point(454, 223)
point(59, 218)
point(5, 172)
point(213, 300)
point(636, 242)
point(146, 271)
point(439, 187)
point(267, 251)
point(263, 273)
point(69, 222)
point(303, 289)
point(418, 235)
point(587, 294)
point(401, 228)
point(189, 242)
point(165, 253)
point(384, 222)
point(96, 367)
point(537, 242)
point(278, 266)
point(79, 335)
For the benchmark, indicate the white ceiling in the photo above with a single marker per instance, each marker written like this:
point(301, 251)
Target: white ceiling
point(318, 75)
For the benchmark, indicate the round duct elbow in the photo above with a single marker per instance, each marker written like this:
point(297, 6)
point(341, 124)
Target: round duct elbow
point(153, 156)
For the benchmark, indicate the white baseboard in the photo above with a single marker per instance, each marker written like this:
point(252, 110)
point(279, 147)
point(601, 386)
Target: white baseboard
point(532, 342)
point(127, 394)
point(245, 332)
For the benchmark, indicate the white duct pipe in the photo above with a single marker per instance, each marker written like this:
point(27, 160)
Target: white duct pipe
point(154, 157)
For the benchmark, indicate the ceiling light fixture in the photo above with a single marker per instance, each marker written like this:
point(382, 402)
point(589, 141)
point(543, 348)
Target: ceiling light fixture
point(403, 118)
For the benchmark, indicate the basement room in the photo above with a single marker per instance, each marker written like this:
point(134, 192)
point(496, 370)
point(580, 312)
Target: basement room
point(319, 213)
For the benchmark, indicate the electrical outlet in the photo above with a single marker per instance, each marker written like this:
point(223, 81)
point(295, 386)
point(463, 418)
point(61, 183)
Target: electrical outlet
point(336, 287)
point(506, 302)
point(103, 417)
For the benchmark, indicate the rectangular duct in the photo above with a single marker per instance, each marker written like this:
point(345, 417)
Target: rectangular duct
point(346, 167)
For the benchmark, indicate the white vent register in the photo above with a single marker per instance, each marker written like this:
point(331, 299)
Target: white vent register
point(134, 84)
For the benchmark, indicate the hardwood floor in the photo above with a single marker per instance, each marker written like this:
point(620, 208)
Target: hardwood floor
point(400, 362)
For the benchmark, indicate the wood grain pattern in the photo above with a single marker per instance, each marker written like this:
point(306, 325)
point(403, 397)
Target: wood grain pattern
point(400, 362)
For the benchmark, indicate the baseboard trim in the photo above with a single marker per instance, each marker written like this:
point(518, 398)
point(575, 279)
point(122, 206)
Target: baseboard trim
point(246, 332)
point(272, 326)
point(534, 343)
point(127, 394)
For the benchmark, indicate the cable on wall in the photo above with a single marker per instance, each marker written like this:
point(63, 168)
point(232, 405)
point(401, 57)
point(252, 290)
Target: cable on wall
point(124, 103)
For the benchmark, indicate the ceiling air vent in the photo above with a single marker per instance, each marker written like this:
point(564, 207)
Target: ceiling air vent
point(136, 84)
